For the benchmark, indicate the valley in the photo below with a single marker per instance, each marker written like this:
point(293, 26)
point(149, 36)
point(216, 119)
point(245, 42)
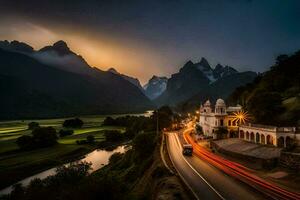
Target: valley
point(16, 164)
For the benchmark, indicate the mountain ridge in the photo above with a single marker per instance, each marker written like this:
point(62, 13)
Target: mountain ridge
point(38, 90)
point(197, 77)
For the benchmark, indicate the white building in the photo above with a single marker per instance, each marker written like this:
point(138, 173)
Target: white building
point(214, 117)
point(270, 135)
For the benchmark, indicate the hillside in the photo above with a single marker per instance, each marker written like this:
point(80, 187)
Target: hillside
point(36, 90)
point(274, 97)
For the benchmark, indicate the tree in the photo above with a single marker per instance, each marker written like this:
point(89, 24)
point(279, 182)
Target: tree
point(144, 144)
point(165, 117)
point(266, 107)
point(109, 121)
point(221, 132)
point(25, 142)
point(73, 123)
point(90, 139)
point(281, 58)
point(113, 135)
point(199, 129)
point(44, 137)
point(33, 125)
point(63, 133)
point(17, 192)
point(115, 158)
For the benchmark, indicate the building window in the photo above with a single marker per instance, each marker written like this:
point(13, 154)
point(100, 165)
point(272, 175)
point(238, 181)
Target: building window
point(234, 123)
point(221, 122)
point(204, 110)
point(229, 122)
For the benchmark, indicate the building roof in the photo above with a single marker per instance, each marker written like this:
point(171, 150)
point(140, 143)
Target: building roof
point(207, 103)
point(220, 102)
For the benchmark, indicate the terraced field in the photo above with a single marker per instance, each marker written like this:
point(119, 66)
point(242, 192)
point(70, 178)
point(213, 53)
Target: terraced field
point(16, 164)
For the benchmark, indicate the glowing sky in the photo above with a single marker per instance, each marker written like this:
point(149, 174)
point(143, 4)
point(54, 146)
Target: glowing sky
point(143, 38)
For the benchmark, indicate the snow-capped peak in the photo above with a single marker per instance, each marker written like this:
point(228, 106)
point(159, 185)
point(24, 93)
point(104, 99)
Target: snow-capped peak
point(155, 87)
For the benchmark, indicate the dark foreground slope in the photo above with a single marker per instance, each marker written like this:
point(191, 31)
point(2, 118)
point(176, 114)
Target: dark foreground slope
point(31, 89)
point(274, 97)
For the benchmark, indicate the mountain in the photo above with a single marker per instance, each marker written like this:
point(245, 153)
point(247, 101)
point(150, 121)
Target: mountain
point(16, 46)
point(34, 89)
point(59, 55)
point(196, 80)
point(155, 87)
point(273, 97)
point(132, 80)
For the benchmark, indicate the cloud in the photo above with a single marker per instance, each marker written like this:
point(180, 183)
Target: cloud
point(70, 62)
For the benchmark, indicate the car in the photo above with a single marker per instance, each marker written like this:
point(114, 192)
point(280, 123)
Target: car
point(187, 150)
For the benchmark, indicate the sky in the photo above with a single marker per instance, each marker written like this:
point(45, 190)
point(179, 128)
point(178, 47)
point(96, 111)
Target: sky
point(145, 38)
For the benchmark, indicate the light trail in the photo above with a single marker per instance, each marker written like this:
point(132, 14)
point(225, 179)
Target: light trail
point(240, 172)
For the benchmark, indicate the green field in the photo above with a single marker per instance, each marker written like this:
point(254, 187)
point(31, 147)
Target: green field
point(16, 164)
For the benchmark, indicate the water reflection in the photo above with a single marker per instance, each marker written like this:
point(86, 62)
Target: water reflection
point(98, 158)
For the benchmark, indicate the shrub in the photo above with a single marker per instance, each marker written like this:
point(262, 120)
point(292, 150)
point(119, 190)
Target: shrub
point(90, 139)
point(199, 129)
point(81, 142)
point(74, 171)
point(115, 158)
point(41, 137)
point(221, 132)
point(33, 125)
point(25, 142)
point(63, 133)
point(109, 121)
point(44, 137)
point(159, 172)
point(73, 123)
point(113, 135)
point(144, 144)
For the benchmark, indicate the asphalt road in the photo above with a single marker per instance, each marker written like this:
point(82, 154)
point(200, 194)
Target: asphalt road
point(206, 181)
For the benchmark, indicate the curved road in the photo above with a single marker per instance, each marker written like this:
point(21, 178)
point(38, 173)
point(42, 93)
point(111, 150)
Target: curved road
point(204, 180)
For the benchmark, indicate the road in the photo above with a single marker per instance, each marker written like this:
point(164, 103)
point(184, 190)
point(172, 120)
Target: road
point(206, 181)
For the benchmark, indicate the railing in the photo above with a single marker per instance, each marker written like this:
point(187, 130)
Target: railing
point(271, 128)
point(258, 126)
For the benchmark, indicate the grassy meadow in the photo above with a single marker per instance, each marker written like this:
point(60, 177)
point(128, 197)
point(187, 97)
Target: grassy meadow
point(16, 164)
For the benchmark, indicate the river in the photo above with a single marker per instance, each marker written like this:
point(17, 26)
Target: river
point(98, 158)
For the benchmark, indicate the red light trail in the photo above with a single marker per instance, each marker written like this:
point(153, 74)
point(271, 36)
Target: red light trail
point(241, 172)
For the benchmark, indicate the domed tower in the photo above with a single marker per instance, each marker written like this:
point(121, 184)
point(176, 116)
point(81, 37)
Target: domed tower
point(220, 107)
point(207, 107)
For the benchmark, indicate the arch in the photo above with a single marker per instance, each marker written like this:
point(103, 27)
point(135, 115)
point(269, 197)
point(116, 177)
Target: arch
point(257, 138)
point(262, 139)
point(270, 140)
point(280, 142)
point(247, 135)
point(233, 123)
point(242, 135)
point(289, 142)
point(252, 137)
point(233, 134)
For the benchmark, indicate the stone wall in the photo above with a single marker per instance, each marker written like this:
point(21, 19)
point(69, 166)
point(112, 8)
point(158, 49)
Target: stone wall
point(264, 163)
point(290, 160)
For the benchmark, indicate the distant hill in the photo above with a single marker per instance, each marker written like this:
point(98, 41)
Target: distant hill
point(36, 88)
point(197, 81)
point(274, 97)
